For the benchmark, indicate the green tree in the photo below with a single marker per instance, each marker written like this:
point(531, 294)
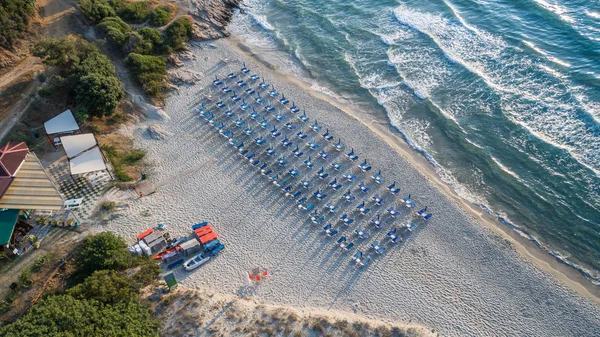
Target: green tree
point(15, 16)
point(96, 10)
point(99, 95)
point(160, 16)
point(66, 316)
point(106, 287)
point(135, 12)
point(150, 72)
point(177, 32)
point(101, 252)
point(94, 63)
point(62, 53)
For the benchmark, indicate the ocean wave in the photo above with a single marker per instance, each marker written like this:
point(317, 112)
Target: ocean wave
point(541, 104)
point(261, 21)
point(557, 9)
point(592, 14)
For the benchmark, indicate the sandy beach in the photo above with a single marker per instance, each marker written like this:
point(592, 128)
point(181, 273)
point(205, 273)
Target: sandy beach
point(458, 274)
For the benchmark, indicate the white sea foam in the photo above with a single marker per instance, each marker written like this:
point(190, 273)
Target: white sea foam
point(561, 11)
point(535, 102)
point(592, 14)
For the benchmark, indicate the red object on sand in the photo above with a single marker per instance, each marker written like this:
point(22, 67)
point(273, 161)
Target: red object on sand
point(145, 233)
point(207, 238)
point(165, 252)
point(203, 230)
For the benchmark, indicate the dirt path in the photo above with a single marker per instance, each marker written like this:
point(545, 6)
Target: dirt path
point(57, 18)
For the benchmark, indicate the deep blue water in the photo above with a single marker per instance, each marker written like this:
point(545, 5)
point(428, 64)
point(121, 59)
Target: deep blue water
point(501, 96)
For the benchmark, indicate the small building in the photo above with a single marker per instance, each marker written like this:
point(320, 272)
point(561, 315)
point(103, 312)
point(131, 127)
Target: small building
point(190, 248)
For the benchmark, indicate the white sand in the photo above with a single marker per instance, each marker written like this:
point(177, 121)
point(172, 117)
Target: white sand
point(453, 275)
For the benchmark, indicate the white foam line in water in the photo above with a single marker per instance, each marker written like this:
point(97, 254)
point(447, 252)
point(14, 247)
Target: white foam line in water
point(534, 102)
point(557, 9)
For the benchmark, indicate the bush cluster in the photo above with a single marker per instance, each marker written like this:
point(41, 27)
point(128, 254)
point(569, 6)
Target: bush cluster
point(14, 20)
point(105, 303)
point(135, 12)
point(160, 16)
point(90, 74)
point(150, 71)
point(177, 32)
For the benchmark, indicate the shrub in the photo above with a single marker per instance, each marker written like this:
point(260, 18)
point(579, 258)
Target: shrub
point(44, 92)
point(96, 10)
point(160, 16)
point(99, 95)
point(135, 12)
point(177, 32)
point(25, 278)
point(108, 205)
point(150, 72)
point(106, 287)
point(101, 252)
point(14, 20)
point(116, 30)
point(64, 315)
point(133, 157)
point(151, 43)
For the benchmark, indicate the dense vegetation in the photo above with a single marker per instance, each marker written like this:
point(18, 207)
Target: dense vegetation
point(160, 16)
point(87, 72)
point(104, 304)
point(146, 48)
point(14, 20)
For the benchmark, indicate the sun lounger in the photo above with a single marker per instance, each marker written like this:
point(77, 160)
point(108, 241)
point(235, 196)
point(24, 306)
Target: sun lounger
point(258, 99)
point(327, 136)
point(248, 131)
point(427, 217)
point(317, 220)
point(336, 166)
point(348, 196)
point(241, 83)
point(284, 100)
point(392, 211)
point(363, 187)
point(269, 108)
point(220, 105)
point(264, 124)
point(293, 172)
point(312, 144)
point(250, 156)
point(308, 162)
point(392, 234)
point(305, 183)
point(270, 152)
point(294, 109)
point(361, 234)
point(350, 177)
point(279, 183)
point(255, 77)
point(332, 208)
point(290, 126)
point(279, 117)
point(357, 257)
point(301, 135)
point(315, 126)
point(239, 122)
point(273, 93)
point(281, 161)
point(303, 117)
point(286, 142)
point(302, 200)
point(244, 69)
point(351, 155)
point(365, 262)
point(254, 114)
point(250, 92)
point(244, 106)
point(323, 154)
point(232, 75)
point(217, 81)
point(297, 152)
point(364, 166)
point(377, 177)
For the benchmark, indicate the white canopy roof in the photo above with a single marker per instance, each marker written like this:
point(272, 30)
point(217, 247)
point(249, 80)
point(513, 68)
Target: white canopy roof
point(89, 161)
point(65, 122)
point(74, 145)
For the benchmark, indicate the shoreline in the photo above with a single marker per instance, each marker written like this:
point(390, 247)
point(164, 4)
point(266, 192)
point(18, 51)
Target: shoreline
point(562, 271)
point(454, 274)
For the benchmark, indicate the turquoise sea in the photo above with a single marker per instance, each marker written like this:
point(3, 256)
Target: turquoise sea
point(501, 96)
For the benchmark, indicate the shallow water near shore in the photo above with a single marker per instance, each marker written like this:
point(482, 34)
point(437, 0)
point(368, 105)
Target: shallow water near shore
point(501, 97)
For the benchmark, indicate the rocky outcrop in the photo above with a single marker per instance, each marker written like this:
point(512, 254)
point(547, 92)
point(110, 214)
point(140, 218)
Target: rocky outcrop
point(211, 17)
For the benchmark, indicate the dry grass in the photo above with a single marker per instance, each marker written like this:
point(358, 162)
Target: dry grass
point(207, 314)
